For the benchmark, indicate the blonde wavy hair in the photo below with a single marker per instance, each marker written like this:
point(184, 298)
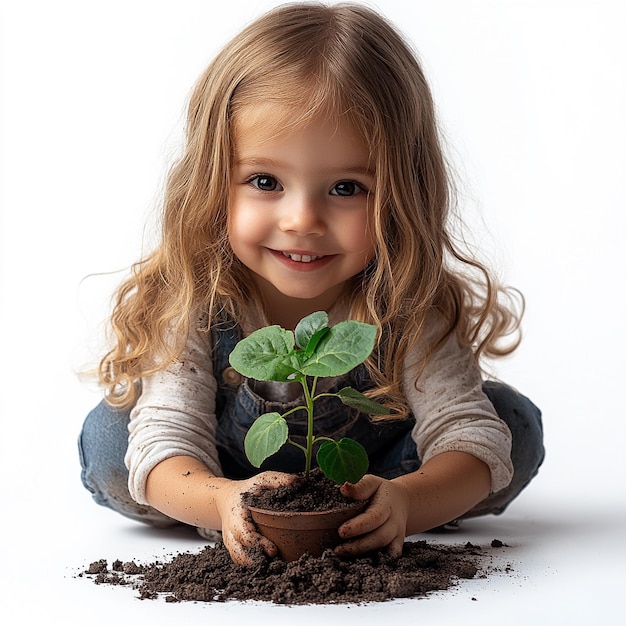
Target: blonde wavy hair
point(341, 60)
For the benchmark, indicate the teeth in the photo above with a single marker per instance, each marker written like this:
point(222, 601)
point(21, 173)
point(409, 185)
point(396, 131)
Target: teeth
point(302, 258)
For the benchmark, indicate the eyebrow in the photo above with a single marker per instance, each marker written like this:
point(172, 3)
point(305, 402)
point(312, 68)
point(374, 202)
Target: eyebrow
point(271, 163)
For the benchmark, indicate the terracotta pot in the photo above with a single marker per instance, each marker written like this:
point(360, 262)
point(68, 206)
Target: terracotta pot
point(296, 533)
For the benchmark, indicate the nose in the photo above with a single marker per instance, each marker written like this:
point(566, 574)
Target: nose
point(303, 215)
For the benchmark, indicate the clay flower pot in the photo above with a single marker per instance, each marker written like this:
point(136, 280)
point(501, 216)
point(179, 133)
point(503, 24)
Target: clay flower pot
point(296, 533)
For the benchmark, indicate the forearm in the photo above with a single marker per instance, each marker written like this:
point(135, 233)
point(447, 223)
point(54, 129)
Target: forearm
point(443, 489)
point(185, 489)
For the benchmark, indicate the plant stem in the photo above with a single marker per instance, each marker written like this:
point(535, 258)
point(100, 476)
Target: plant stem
point(308, 396)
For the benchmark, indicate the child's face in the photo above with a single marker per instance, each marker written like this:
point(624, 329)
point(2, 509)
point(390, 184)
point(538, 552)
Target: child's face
point(299, 211)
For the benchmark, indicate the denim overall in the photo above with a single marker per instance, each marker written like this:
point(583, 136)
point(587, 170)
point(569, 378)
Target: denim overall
point(392, 452)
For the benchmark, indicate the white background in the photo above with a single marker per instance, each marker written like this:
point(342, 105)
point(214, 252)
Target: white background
point(532, 99)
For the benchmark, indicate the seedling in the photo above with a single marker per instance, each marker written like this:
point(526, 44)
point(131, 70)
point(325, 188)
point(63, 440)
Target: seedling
point(317, 350)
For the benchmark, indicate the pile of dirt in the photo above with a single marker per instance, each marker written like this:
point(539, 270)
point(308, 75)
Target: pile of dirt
point(212, 576)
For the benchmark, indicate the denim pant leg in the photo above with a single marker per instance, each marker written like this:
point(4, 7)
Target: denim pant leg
point(527, 453)
point(102, 445)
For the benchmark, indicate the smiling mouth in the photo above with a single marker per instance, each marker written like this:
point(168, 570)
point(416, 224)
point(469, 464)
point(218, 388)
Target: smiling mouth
point(302, 258)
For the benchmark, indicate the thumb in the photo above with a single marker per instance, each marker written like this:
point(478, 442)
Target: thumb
point(363, 490)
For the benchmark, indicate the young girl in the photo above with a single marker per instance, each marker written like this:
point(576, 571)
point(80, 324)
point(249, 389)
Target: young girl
point(312, 179)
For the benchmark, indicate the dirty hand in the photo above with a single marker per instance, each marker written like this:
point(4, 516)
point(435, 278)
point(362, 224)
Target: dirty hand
point(382, 524)
point(238, 531)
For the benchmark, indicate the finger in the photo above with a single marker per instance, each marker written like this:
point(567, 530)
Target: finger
point(237, 551)
point(250, 536)
point(268, 547)
point(254, 539)
point(381, 538)
point(375, 516)
point(239, 556)
point(241, 541)
point(394, 550)
point(362, 524)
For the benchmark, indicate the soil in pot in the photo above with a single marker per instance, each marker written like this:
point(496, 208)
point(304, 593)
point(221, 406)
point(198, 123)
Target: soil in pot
point(312, 493)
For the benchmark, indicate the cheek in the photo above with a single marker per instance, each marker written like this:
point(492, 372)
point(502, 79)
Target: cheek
point(359, 236)
point(236, 233)
point(245, 228)
point(237, 219)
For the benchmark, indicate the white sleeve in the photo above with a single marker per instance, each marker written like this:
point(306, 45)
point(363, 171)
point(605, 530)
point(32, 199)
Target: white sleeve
point(453, 413)
point(174, 416)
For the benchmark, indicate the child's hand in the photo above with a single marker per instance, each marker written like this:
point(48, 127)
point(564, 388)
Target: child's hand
point(238, 530)
point(382, 524)
point(444, 488)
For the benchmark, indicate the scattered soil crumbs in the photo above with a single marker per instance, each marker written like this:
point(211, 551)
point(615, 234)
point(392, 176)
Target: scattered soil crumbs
point(212, 576)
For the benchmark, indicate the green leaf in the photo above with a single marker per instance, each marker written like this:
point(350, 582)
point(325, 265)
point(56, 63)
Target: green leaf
point(355, 399)
point(345, 346)
point(265, 437)
point(343, 461)
point(266, 354)
point(309, 326)
point(314, 341)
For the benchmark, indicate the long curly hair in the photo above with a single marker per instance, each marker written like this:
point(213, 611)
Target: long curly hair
point(342, 60)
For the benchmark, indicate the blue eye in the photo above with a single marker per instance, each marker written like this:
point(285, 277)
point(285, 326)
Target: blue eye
point(265, 182)
point(346, 188)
